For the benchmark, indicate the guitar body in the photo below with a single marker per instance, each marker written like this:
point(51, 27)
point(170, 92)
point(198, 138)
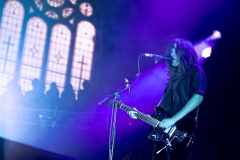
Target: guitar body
point(181, 133)
point(177, 135)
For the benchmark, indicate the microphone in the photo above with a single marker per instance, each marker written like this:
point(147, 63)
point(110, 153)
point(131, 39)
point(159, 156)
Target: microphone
point(158, 57)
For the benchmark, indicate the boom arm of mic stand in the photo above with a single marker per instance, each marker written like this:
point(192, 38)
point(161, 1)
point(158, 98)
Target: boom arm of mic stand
point(121, 87)
point(116, 91)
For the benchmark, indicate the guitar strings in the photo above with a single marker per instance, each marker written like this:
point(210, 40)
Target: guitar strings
point(147, 118)
point(141, 115)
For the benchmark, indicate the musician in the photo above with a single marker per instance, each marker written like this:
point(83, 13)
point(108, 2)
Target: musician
point(182, 96)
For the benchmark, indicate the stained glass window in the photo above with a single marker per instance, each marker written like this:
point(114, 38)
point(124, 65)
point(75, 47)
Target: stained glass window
point(51, 14)
point(10, 33)
point(31, 10)
point(86, 9)
point(33, 52)
point(71, 20)
point(39, 4)
point(55, 3)
point(73, 1)
point(67, 12)
point(58, 56)
point(83, 54)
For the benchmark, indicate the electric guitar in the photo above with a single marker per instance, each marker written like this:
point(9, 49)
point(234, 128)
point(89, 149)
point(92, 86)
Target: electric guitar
point(182, 131)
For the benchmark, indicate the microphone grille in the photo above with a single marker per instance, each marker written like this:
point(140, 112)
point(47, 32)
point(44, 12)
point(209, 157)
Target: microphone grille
point(147, 54)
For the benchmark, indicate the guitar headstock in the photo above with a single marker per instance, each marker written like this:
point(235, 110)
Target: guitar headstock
point(114, 102)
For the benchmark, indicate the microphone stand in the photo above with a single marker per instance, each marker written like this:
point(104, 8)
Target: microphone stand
point(114, 110)
point(113, 127)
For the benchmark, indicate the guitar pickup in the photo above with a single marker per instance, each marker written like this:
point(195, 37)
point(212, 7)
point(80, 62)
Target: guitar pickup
point(181, 136)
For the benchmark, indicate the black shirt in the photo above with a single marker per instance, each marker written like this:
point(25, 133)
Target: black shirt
point(193, 81)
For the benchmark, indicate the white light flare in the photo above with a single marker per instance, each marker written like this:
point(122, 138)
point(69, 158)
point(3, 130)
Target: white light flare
point(217, 34)
point(207, 52)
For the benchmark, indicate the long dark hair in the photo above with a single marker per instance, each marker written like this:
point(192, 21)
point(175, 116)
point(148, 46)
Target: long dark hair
point(187, 56)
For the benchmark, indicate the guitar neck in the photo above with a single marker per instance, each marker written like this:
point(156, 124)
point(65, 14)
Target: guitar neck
point(146, 118)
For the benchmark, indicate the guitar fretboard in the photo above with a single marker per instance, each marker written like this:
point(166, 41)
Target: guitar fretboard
point(146, 118)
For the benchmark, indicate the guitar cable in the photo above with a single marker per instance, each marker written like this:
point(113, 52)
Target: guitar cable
point(160, 150)
point(165, 147)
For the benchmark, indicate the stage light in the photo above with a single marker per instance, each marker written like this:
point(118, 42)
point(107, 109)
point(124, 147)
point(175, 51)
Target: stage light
point(207, 52)
point(205, 46)
point(215, 36)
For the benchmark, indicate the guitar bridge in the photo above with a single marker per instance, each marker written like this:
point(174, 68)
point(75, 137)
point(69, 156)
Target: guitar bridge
point(181, 135)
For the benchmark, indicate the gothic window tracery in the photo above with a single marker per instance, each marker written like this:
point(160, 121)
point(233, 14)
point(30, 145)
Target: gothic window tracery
point(86, 9)
point(10, 34)
point(83, 54)
point(32, 53)
point(55, 3)
point(58, 55)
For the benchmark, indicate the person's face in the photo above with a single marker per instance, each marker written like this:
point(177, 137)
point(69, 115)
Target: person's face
point(173, 53)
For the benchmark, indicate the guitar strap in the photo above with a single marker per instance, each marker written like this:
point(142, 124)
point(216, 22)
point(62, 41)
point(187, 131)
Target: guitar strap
point(160, 102)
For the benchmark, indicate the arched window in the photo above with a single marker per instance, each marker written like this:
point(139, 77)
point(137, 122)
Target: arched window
point(58, 56)
point(10, 33)
point(83, 54)
point(35, 57)
point(33, 52)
